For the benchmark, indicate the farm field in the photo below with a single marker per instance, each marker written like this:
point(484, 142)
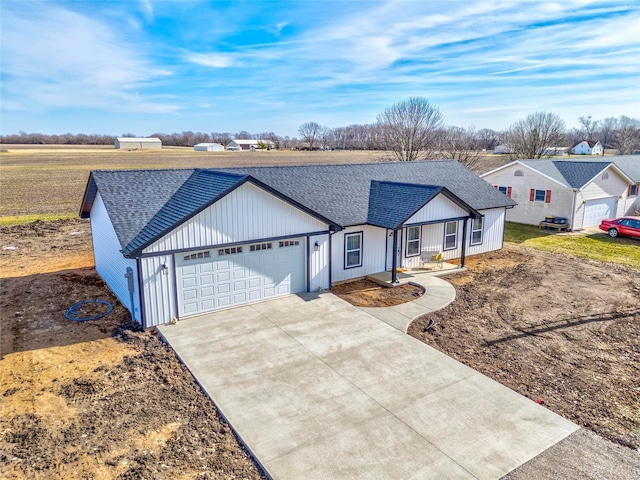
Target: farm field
point(100, 400)
point(48, 182)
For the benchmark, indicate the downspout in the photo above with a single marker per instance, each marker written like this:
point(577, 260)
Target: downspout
point(573, 208)
point(394, 261)
point(330, 257)
point(143, 312)
point(464, 242)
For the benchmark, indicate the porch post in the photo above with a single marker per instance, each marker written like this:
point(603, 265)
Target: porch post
point(464, 242)
point(394, 258)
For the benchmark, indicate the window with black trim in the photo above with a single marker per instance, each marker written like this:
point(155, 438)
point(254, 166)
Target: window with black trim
point(260, 246)
point(229, 251)
point(450, 235)
point(476, 231)
point(353, 250)
point(195, 256)
point(289, 243)
point(413, 241)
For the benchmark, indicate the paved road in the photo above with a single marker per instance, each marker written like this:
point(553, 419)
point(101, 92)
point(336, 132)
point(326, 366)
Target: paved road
point(320, 389)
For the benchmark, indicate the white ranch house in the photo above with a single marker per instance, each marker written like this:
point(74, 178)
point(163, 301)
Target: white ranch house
point(584, 191)
point(177, 243)
point(134, 143)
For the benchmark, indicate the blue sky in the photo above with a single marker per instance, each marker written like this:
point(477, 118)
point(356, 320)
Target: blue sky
point(159, 66)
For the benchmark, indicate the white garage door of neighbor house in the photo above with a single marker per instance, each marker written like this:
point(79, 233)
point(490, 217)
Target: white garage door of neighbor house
point(597, 210)
point(225, 277)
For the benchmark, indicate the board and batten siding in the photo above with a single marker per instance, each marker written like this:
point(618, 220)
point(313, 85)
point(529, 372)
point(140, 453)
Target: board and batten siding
point(110, 263)
point(319, 262)
point(492, 231)
point(438, 208)
point(158, 290)
point(246, 214)
point(373, 253)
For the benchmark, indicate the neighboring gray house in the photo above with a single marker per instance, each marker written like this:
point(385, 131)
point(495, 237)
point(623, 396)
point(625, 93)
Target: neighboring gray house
point(177, 243)
point(208, 147)
point(584, 191)
point(133, 143)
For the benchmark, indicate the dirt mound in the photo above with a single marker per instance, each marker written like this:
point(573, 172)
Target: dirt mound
point(365, 293)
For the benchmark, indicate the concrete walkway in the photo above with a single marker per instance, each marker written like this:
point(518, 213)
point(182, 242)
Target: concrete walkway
point(319, 389)
point(438, 294)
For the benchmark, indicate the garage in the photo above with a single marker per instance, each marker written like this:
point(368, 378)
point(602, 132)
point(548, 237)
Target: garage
point(597, 210)
point(229, 276)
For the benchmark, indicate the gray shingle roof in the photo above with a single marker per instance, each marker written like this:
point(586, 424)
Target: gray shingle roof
point(577, 173)
point(142, 204)
point(384, 208)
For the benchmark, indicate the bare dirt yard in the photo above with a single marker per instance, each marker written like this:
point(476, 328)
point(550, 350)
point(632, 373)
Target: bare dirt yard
point(365, 293)
point(97, 399)
point(560, 330)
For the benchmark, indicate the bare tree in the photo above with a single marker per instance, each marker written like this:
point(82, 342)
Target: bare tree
point(487, 138)
point(223, 138)
point(535, 135)
point(243, 135)
point(606, 134)
point(408, 129)
point(589, 127)
point(310, 133)
point(627, 137)
point(462, 145)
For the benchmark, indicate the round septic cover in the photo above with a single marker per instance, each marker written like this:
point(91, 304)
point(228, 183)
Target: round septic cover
point(88, 310)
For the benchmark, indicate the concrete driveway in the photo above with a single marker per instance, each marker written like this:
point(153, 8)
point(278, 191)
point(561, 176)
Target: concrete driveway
point(318, 389)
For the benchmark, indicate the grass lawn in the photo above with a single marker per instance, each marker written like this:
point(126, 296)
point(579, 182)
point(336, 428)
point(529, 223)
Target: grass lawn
point(598, 246)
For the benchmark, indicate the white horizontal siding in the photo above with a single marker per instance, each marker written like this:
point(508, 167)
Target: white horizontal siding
point(110, 263)
point(438, 208)
point(158, 290)
point(246, 214)
point(319, 262)
point(373, 253)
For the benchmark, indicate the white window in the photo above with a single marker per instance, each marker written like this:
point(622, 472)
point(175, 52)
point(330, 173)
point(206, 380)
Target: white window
point(450, 235)
point(260, 246)
point(476, 231)
point(289, 243)
point(413, 241)
point(229, 251)
point(195, 256)
point(353, 250)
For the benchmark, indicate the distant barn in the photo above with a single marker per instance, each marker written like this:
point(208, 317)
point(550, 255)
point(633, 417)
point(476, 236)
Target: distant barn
point(133, 143)
point(208, 147)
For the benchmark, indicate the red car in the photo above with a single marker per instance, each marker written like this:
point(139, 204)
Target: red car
point(626, 226)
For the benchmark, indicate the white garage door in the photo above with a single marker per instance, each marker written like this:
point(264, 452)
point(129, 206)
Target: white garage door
point(211, 279)
point(597, 210)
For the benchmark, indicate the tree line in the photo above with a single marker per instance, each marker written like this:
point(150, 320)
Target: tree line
point(410, 130)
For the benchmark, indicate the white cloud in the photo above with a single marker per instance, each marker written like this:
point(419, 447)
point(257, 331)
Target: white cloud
point(55, 58)
point(215, 60)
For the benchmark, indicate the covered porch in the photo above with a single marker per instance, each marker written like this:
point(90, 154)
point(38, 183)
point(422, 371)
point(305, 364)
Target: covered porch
point(410, 275)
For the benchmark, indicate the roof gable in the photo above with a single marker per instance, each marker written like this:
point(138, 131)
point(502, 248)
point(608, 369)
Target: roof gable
point(578, 174)
point(391, 204)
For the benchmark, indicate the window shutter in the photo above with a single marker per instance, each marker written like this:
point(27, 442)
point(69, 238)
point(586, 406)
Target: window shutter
point(629, 191)
point(547, 198)
point(509, 192)
point(532, 195)
point(495, 186)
